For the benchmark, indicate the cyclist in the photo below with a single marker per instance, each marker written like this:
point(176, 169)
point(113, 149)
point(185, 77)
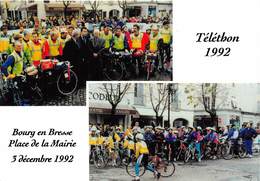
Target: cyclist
point(159, 139)
point(155, 41)
point(166, 44)
point(113, 140)
point(4, 39)
point(26, 47)
point(198, 140)
point(212, 139)
point(142, 153)
point(248, 134)
point(107, 35)
point(149, 137)
point(137, 44)
point(36, 48)
point(233, 136)
point(53, 46)
point(171, 144)
point(119, 41)
point(92, 139)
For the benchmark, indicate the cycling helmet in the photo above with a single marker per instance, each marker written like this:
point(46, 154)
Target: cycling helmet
point(97, 132)
point(199, 128)
point(139, 136)
point(212, 129)
point(93, 128)
point(208, 128)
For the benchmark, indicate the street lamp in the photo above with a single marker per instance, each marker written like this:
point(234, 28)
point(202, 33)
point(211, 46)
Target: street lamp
point(172, 88)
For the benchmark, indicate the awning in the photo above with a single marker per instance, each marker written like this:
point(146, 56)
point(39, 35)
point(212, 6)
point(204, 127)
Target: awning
point(28, 6)
point(145, 111)
point(105, 108)
point(60, 6)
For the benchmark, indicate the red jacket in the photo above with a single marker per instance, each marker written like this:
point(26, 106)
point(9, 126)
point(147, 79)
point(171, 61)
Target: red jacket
point(145, 40)
point(46, 50)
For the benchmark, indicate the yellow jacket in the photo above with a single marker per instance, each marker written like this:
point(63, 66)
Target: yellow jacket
point(141, 148)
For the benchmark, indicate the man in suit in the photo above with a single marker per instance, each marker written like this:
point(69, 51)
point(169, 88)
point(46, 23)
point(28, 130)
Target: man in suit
point(72, 51)
point(86, 53)
point(98, 45)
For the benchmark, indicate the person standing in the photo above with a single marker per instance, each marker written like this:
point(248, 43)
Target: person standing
point(53, 46)
point(95, 68)
point(248, 134)
point(36, 48)
point(86, 53)
point(72, 51)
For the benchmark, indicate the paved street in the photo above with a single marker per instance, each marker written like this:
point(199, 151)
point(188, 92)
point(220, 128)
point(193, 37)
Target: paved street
point(217, 170)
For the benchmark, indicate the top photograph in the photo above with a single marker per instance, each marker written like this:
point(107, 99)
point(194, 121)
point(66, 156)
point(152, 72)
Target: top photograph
point(67, 43)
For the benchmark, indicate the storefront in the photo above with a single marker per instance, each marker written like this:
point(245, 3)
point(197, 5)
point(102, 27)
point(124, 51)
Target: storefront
point(100, 113)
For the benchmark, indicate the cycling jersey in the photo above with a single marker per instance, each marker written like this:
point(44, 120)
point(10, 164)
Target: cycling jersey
point(107, 38)
point(93, 140)
point(141, 148)
point(154, 42)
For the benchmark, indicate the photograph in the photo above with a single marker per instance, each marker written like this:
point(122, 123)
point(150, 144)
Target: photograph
point(169, 131)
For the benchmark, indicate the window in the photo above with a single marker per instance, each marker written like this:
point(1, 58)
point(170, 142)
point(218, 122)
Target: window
point(46, 1)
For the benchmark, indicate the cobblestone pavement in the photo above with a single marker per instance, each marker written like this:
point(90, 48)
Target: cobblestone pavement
point(212, 170)
point(78, 98)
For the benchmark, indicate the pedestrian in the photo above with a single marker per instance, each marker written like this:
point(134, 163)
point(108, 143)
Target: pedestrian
point(72, 51)
point(86, 53)
point(95, 68)
point(248, 134)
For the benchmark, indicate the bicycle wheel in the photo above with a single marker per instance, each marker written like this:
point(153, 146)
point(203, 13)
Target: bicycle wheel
point(130, 169)
point(114, 72)
point(227, 152)
point(242, 151)
point(65, 85)
point(98, 160)
point(187, 155)
point(37, 96)
point(166, 168)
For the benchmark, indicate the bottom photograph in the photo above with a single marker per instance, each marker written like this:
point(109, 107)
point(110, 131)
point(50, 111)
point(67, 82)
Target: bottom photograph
point(168, 131)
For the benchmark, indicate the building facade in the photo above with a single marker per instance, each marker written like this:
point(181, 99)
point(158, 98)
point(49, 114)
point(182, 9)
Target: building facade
point(239, 103)
point(136, 106)
point(237, 107)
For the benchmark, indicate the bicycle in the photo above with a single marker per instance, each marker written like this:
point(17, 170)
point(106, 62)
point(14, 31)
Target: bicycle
point(60, 74)
point(115, 69)
point(157, 162)
point(228, 151)
point(98, 156)
point(150, 60)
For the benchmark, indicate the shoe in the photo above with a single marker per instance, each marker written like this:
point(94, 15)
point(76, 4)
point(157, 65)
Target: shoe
point(250, 156)
point(137, 178)
point(158, 175)
point(199, 160)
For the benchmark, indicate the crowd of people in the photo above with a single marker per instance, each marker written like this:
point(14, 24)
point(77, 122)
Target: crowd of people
point(152, 140)
point(81, 43)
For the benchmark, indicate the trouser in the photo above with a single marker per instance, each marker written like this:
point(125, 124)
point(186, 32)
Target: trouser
point(197, 147)
point(142, 158)
point(248, 145)
point(167, 49)
point(151, 148)
point(235, 145)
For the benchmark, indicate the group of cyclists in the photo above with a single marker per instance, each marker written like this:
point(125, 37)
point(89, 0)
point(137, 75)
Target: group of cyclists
point(141, 143)
point(41, 43)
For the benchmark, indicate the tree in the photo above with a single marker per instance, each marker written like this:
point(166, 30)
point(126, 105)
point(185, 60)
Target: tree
point(123, 5)
point(211, 96)
point(158, 98)
point(115, 93)
point(95, 6)
point(66, 5)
